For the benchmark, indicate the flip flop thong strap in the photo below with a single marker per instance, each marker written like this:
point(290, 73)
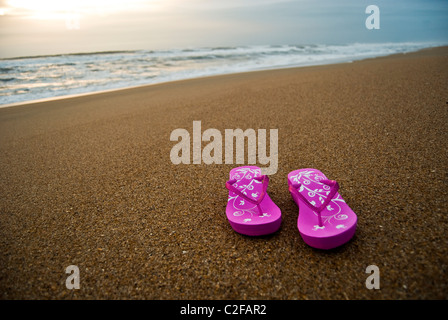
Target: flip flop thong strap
point(265, 181)
point(334, 187)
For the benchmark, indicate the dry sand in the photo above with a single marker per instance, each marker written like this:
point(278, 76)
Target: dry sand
point(88, 181)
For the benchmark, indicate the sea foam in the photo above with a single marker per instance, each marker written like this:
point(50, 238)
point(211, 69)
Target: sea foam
point(31, 78)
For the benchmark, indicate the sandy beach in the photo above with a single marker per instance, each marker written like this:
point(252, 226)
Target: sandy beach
point(88, 181)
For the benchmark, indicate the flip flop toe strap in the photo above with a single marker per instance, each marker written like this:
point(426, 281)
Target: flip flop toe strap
point(334, 187)
point(265, 181)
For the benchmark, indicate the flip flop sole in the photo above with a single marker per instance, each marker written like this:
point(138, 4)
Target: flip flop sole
point(257, 230)
point(330, 242)
point(244, 216)
point(339, 224)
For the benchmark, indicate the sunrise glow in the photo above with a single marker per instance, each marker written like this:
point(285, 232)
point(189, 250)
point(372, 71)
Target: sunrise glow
point(54, 9)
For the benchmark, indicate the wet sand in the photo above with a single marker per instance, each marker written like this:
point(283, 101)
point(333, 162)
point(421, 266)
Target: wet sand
point(88, 181)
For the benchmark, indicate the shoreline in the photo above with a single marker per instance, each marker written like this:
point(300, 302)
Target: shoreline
point(77, 95)
point(89, 182)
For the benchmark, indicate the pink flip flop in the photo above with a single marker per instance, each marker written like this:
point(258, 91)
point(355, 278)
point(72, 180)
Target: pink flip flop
point(250, 210)
point(325, 220)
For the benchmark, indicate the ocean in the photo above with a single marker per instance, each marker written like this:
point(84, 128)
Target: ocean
point(32, 78)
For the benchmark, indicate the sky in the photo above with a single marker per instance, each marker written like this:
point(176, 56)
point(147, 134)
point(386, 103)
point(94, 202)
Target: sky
point(43, 27)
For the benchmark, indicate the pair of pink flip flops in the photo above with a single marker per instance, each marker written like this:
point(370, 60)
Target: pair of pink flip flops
point(325, 220)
